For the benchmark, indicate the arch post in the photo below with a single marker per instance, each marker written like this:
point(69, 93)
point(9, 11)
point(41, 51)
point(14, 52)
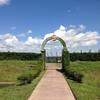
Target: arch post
point(65, 59)
point(43, 58)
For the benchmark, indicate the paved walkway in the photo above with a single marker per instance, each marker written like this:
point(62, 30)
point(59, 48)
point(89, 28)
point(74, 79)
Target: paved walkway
point(52, 86)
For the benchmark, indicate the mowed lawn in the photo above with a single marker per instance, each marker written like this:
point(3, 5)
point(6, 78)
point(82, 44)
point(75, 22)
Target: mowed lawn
point(90, 88)
point(9, 71)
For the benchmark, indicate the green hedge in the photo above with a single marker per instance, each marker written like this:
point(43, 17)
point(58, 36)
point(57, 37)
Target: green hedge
point(85, 56)
point(19, 56)
point(81, 56)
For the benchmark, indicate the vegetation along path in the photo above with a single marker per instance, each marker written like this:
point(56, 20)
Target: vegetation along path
point(53, 86)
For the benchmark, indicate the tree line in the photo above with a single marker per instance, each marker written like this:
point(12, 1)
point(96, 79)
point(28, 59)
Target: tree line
point(85, 56)
point(82, 56)
point(19, 56)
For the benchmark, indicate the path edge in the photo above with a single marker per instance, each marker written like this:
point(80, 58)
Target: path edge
point(41, 77)
point(70, 87)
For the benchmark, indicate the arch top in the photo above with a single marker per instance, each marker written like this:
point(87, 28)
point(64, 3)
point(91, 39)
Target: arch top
point(53, 38)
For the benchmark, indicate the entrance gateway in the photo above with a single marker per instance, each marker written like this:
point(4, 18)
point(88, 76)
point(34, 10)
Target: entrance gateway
point(65, 53)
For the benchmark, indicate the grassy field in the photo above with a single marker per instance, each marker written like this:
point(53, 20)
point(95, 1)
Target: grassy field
point(9, 71)
point(90, 88)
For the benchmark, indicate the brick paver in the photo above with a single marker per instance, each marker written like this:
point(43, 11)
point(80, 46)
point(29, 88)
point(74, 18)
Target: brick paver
point(52, 86)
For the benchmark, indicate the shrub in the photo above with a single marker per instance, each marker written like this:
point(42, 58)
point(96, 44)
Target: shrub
point(25, 78)
point(77, 77)
point(73, 75)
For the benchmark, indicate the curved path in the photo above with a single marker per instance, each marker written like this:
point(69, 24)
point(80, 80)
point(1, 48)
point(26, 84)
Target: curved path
point(52, 86)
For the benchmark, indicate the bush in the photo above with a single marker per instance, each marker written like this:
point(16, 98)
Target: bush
point(73, 75)
point(25, 78)
point(77, 77)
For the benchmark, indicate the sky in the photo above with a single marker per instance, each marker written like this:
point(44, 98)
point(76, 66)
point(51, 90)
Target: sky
point(24, 24)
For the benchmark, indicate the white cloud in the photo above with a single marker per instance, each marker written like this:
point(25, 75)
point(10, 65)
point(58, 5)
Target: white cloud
point(33, 41)
point(10, 42)
point(4, 2)
point(76, 36)
point(10, 39)
point(73, 36)
point(82, 27)
point(48, 35)
point(88, 43)
point(21, 35)
point(30, 41)
point(62, 28)
point(29, 31)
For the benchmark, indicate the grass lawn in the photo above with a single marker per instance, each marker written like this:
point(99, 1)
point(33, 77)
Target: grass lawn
point(90, 88)
point(9, 71)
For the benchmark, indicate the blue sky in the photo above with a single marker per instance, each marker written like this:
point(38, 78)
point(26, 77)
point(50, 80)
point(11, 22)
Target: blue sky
point(36, 18)
point(44, 16)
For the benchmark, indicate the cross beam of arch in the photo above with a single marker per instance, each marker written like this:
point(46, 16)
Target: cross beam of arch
point(54, 38)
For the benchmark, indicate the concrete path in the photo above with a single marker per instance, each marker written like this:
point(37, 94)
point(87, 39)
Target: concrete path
point(52, 86)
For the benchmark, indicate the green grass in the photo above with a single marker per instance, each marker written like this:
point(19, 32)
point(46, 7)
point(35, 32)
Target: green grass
point(90, 88)
point(18, 92)
point(9, 71)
